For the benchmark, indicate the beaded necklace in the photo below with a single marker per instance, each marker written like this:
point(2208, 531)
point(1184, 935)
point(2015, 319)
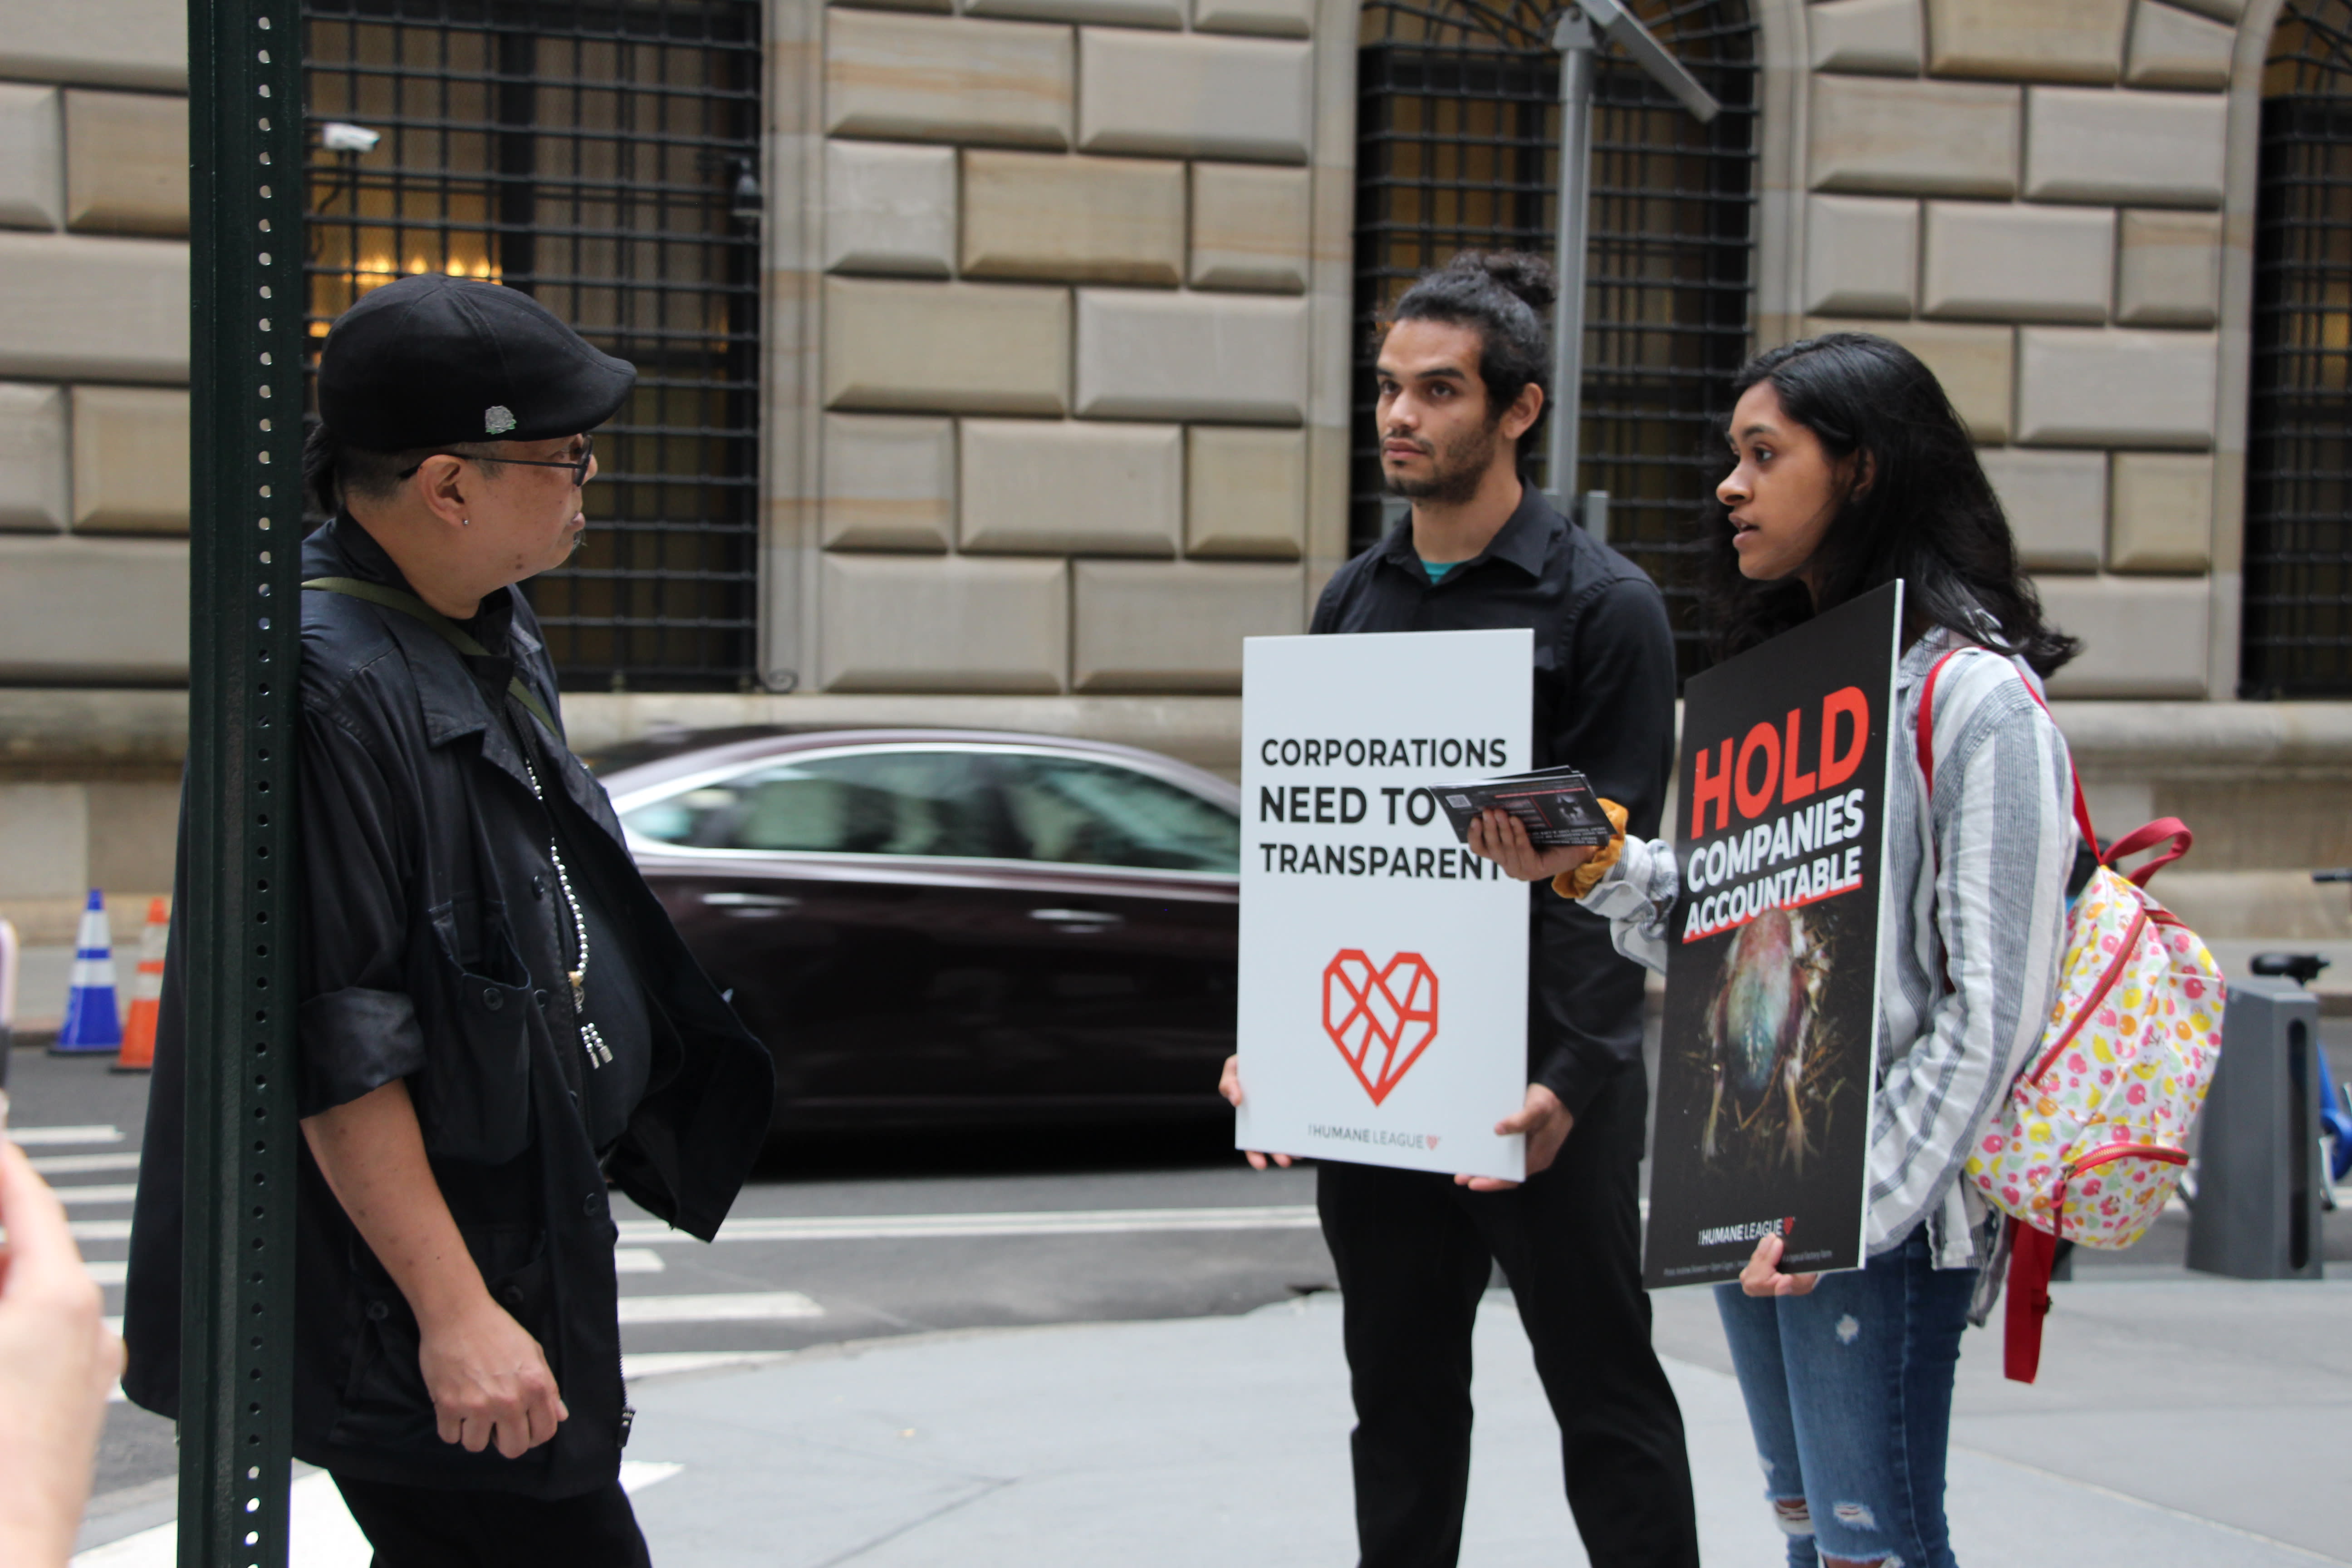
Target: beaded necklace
point(591, 1039)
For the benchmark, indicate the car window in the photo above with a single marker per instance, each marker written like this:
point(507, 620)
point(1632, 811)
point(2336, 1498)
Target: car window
point(1098, 814)
point(862, 803)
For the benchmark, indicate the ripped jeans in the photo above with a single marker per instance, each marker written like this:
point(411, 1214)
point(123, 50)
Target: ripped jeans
point(1849, 1392)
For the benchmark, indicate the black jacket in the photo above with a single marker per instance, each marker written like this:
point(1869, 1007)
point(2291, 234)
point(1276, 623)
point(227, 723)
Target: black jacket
point(431, 951)
point(1604, 696)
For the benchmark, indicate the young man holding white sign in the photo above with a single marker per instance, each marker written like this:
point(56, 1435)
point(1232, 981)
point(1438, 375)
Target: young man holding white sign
point(1461, 383)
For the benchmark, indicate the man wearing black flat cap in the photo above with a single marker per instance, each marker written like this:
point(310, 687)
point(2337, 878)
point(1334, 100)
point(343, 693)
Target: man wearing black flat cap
point(496, 1020)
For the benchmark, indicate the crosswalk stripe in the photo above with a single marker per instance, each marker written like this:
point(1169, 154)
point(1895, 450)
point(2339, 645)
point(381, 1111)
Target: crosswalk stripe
point(732, 1307)
point(911, 1226)
point(664, 1363)
point(97, 1192)
point(728, 1306)
point(1054, 1222)
point(52, 1137)
point(83, 1164)
point(626, 1260)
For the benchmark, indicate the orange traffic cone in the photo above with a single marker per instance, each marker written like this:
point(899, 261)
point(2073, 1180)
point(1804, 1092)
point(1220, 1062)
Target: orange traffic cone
point(146, 994)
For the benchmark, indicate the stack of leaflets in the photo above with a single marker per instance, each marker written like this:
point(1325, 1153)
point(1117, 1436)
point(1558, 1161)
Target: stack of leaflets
point(1557, 804)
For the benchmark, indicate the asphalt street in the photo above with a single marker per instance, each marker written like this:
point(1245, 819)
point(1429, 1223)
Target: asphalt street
point(835, 1239)
point(845, 1240)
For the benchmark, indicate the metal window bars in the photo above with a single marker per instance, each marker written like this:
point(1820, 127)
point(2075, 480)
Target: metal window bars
point(2297, 626)
point(1457, 147)
point(605, 158)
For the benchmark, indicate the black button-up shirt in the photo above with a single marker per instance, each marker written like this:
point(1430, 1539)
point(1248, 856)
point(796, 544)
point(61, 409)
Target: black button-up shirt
point(435, 945)
point(1605, 702)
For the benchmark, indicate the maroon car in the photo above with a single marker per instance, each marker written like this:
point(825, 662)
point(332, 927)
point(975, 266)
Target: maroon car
point(938, 925)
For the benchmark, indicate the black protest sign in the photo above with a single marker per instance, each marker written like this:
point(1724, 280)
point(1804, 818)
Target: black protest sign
point(1766, 1057)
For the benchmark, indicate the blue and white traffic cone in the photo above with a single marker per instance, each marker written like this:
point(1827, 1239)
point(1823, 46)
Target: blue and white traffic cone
point(91, 1023)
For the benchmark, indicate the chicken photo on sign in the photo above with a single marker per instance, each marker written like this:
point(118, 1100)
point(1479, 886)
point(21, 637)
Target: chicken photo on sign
point(1767, 1044)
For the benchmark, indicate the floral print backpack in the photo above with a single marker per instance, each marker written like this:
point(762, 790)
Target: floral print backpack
point(2092, 1141)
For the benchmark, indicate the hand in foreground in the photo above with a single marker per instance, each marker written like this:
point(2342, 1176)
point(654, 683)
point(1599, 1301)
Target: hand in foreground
point(1229, 1084)
point(1762, 1276)
point(489, 1380)
point(1503, 839)
point(58, 1360)
point(1547, 1123)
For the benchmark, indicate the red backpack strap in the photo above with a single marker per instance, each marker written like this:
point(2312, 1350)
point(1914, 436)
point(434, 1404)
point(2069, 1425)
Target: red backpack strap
point(2166, 830)
point(2082, 811)
point(2032, 1254)
point(2082, 806)
point(1927, 717)
point(1927, 729)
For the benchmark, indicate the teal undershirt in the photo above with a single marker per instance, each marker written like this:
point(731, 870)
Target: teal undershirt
point(1438, 569)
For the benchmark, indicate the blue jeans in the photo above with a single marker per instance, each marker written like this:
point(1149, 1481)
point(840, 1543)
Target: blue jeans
point(1849, 1392)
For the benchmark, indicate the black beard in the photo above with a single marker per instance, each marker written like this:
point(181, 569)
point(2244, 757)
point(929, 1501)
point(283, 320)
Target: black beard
point(1459, 472)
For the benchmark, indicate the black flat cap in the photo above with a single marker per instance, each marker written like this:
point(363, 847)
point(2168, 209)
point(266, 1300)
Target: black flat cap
point(432, 361)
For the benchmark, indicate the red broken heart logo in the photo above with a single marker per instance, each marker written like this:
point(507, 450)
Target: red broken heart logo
point(1381, 1019)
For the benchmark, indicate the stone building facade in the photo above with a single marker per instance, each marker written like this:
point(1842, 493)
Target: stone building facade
point(1062, 431)
point(2030, 198)
point(93, 454)
point(1059, 316)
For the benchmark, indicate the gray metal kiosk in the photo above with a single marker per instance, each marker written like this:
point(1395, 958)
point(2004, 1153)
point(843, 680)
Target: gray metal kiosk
point(2260, 1181)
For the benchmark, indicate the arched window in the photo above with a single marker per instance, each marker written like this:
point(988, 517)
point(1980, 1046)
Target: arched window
point(2298, 584)
point(1457, 147)
point(594, 155)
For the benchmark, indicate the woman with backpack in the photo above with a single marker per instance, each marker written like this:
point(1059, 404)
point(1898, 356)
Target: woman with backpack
point(1852, 471)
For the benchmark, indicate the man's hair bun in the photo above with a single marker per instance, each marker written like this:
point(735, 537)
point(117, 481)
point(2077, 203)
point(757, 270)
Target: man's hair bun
point(1528, 277)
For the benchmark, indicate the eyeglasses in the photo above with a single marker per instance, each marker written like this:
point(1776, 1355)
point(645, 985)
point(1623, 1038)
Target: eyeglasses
point(578, 465)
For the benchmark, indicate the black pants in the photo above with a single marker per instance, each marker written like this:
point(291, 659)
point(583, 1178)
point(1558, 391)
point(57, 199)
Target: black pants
point(1412, 1251)
point(426, 1527)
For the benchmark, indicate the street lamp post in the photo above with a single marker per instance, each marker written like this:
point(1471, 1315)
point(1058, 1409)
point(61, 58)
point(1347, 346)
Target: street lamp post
point(1586, 25)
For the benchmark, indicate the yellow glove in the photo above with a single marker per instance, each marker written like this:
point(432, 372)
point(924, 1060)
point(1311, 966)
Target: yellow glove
point(1585, 878)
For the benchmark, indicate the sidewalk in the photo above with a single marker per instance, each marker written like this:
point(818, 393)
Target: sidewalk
point(2190, 1425)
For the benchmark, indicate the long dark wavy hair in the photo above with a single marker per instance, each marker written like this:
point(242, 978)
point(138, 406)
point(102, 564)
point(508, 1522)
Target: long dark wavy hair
point(1927, 515)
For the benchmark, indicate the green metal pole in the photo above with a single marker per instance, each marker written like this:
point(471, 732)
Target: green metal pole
point(246, 202)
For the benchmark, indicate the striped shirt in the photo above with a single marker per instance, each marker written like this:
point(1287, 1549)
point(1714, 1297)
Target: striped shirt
point(1991, 885)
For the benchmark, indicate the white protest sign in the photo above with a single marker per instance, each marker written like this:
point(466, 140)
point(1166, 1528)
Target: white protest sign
point(1383, 988)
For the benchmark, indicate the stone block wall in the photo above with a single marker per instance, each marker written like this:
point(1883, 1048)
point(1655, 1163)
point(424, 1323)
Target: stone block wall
point(1066, 382)
point(93, 344)
point(2028, 195)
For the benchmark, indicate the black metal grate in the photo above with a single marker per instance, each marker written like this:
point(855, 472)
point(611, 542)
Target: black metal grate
point(2298, 583)
point(590, 154)
point(1457, 147)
